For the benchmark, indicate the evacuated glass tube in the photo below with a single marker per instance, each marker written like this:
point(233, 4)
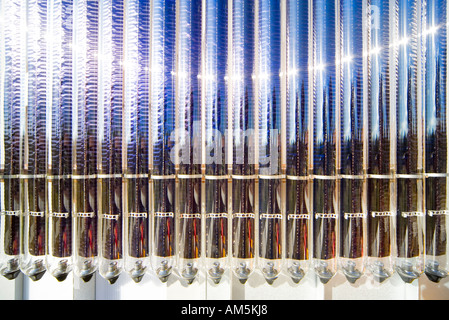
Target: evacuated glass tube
point(110, 105)
point(268, 77)
point(352, 153)
point(380, 200)
point(243, 138)
point(162, 114)
point(59, 138)
point(189, 135)
point(409, 262)
point(298, 201)
point(11, 73)
point(84, 131)
point(214, 83)
point(33, 169)
point(436, 139)
point(325, 196)
point(136, 139)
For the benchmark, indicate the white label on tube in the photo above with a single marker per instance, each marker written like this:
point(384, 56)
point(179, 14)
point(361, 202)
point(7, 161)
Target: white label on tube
point(10, 213)
point(137, 214)
point(59, 214)
point(85, 214)
point(243, 215)
point(382, 214)
point(111, 216)
point(299, 216)
point(36, 213)
point(412, 214)
point(271, 216)
point(355, 215)
point(163, 214)
point(216, 215)
point(190, 215)
point(326, 215)
point(432, 213)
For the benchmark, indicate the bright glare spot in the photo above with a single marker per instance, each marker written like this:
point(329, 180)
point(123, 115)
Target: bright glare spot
point(347, 59)
point(293, 72)
point(402, 42)
point(376, 51)
point(432, 30)
point(320, 67)
point(209, 77)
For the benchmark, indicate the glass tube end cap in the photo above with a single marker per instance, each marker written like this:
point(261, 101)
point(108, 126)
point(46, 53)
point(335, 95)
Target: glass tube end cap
point(216, 272)
point(323, 271)
point(112, 273)
point(37, 270)
point(325, 279)
point(351, 272)
point(381, 275)
point(270, 273)
point(61, 276)
point(407, 273)
point(138, 271)
point(216, 280)
point(12, 270)
point(86, 278)
point(11, 274)
point(164, 279)
point(61, 271)
point(379, 271)
point(163, 271)
point(189, 272)
point(138, 278)
point(296, 272)
point(381, 278)
point(242, 272)
point(87, 270)
point(434, 273)
point(113, 279)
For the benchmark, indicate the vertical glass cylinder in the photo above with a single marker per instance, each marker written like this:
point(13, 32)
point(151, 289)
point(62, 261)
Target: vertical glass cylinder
point(11, 80)
point(243, 138)
point(325, 195)
point(352, 153)
point(298, 208)
point(59, 143)
point(33, 169)
point(215, 89)
point(136, 138)
point(84, 131)
point(380, 200)
point(189, 135)
point(409, 262)
point(162, 113)
point(436, 141)
point(109, 135)
point(268, 77)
